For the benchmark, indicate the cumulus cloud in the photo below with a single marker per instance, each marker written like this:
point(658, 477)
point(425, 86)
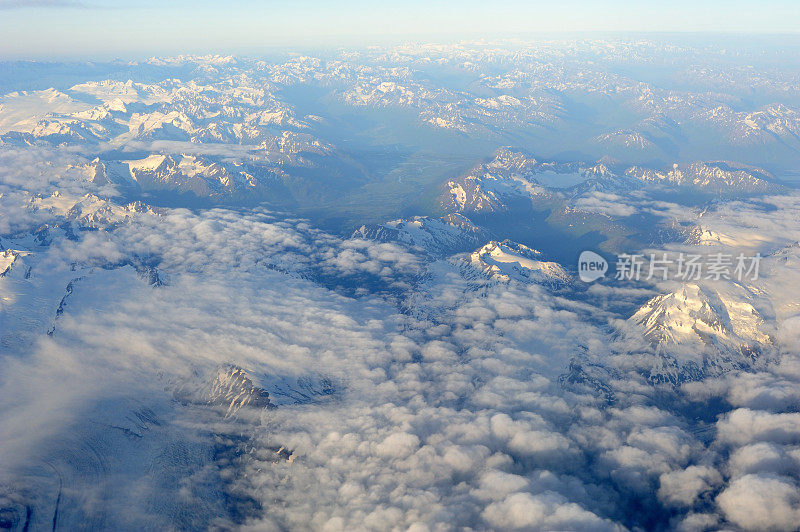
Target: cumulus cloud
point(763, 457)
point(417, 401)
point(758, 502)
point(743, 426)
point(547, 511)
point(683, 487)
point(605, 203)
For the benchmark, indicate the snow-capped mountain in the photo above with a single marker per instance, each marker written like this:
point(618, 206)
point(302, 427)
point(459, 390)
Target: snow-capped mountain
point(11, 259)
point(508, 176)
point(453, 109)
point(607, 175)
point(506, 261)
point(686, 322)
point(231, 389)
point(183, 174)
point(168, 111)
point(720, 178)
point(700, 236)
point(449, 234)
point(762, 127)
point(89, 211)
point(626, 139)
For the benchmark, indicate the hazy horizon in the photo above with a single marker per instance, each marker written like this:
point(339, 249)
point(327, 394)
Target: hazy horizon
point(56, 28)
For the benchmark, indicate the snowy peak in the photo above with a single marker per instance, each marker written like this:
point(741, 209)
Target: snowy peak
point(626, 139)
point(9, 258)
point(231, 389)
point(493, 186)
point(489, 186)
point(89, 210)
point(190, 174)
point(468, 194)
point(438, 236)
point(152, 163)
point(769, 125)
point(723, 178)
point(702, 236)
point(686, 320)
point(507, 260)
point(507, 159)
point(234, 389)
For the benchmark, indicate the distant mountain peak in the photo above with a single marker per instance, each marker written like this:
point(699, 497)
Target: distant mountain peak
point(508, 260)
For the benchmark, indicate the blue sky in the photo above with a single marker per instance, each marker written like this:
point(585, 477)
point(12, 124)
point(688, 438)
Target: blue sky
point(42, 28)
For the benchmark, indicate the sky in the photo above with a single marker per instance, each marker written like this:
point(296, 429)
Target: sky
point(96, 28)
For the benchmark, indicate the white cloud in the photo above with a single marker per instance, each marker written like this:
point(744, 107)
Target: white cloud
point(744, 426)
point(683, 487)
point(756, 502)
point(547, 511)
point(608, 204)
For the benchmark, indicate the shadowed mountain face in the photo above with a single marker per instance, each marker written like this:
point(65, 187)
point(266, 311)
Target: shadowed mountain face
point(342, 291)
